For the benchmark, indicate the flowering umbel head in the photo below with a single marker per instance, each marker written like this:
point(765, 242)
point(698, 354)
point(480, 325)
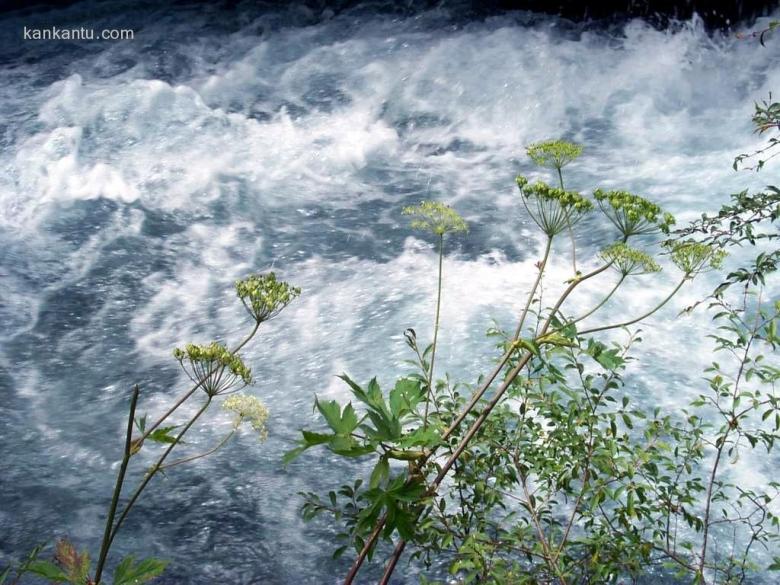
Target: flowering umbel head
point(633, 215)
point(551, 208)
point(553, 154)
point(628, 261)
point(264, 297)
point(213, 366)
point(693, 257)
point(248, 409)
point(435, 217)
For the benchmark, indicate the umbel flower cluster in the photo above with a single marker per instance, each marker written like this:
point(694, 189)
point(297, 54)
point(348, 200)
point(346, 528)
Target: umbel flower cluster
point(553, 154)
point(248, 409)
point(213, 366)
point(633, 215)
point(435, 217)
point(628, 261)
point(264, 297)
point(693, 257)
point(551, 208)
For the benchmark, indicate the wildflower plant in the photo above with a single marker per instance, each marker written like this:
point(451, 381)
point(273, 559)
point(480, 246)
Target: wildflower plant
point(553, 154)
point(693, 257)
point(551, 208)
point(543, 470)
point(629, 261)
point(435, 217)
point(556, 154)
point(217, 370)
point(438, 219)
point(264, 297)
point(631, 214)
point(248, 409)
point(213, 366)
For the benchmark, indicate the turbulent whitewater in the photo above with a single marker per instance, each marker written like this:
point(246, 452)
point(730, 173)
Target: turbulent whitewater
point(141, 178)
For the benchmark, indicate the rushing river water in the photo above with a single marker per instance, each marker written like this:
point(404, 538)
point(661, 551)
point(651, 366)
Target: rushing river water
point(141, 178)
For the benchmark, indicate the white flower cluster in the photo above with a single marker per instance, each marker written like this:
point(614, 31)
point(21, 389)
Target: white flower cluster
point(249, 409)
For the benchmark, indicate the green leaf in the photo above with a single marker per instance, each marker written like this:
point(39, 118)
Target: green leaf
point(312, 439)
point(48, 570)
point(330, 411)
point(381, 472)
point(426, 437)
point(293, 453)
point(348, 446)
point(162, 435)
point(129, 573)
point(405, 396)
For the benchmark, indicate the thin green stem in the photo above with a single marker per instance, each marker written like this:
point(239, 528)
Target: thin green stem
point(435, 332)
point(529, 300)
point(642, 317)
point(154, 470)
point(601, 304)
point(569, 228)
point(219, 445)
point(120, 478)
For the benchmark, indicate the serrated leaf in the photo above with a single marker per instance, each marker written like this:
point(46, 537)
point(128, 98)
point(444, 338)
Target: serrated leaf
point(129, 573)
point(380, 473)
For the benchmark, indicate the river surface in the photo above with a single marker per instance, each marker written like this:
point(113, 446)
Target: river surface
point(140, 178)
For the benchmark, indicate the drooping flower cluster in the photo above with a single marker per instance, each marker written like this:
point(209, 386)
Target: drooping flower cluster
point(213, 366)
point(435, 217)
point(633, 215)
point(248, 409)
point(551, 208)
point(628, 261)
point(553, 154)
point(693, 257)
point(264, 297)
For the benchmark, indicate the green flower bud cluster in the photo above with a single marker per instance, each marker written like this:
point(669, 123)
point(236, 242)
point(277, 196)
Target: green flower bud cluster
point(249, 409)
point(435, 217)
point(629, 261)
point(693, 257)
point(551, 208)
point(553, 154)
point(633, 215)
point(213, 366)
point(264, 297)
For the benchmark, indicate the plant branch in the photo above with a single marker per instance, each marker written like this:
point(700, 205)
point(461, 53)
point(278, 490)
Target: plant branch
point(120, 478)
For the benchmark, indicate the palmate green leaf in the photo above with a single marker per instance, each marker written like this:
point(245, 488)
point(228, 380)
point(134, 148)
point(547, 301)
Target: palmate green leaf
point(405, 396)
point(129, 573)
point(386, 427)
point(342, 422)
point(372, 397)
